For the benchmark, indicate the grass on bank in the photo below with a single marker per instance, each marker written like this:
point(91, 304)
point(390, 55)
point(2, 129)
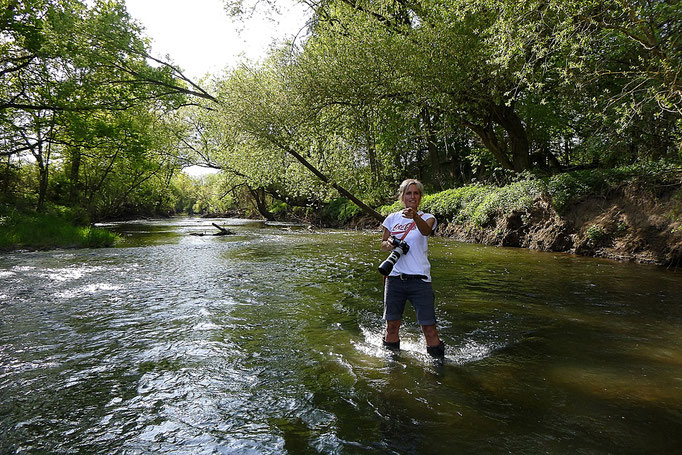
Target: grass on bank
point(32, 230)
point(477, 203)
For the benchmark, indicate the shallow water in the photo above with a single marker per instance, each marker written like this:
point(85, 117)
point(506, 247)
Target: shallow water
point(269, 342)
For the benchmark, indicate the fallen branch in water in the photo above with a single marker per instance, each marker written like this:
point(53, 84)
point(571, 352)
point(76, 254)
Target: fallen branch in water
point(221, 231)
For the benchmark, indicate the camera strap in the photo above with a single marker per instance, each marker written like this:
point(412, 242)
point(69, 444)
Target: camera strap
point(407, 230)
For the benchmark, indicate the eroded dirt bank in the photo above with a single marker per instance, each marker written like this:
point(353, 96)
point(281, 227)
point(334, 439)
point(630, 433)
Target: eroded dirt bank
point(632, 223)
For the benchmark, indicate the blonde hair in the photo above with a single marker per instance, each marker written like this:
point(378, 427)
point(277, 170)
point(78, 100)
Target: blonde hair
point(406, 184)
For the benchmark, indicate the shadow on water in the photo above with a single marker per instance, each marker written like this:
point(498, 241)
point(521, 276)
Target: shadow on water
point(269, 341)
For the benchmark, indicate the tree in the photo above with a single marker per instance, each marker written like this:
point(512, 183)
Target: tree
point(264, 137)
point(71, 72)
point(604, 69)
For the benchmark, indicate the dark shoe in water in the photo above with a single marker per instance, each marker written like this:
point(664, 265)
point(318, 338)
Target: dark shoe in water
point(392, 345)
point(436, 351)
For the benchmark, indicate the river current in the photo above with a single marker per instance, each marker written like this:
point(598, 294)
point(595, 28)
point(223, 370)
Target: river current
point(269, 342)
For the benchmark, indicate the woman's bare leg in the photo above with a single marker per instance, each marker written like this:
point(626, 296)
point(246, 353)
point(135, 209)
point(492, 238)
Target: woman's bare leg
point(392, 331)
point(431, 335)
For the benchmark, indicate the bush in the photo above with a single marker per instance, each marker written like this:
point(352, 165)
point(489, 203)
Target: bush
point(478, 203)
point(74, 215)
point(570, 187)
point(25, 230)
point(341, 209)
point(279, 208)
point(596, 234)
point(388, 209)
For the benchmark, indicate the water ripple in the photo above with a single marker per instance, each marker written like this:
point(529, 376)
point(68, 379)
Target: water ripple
point(269, 342)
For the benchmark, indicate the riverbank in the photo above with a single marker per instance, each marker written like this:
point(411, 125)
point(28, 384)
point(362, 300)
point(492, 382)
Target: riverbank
point(629, 224)
point(36, 231)
point(629, 214)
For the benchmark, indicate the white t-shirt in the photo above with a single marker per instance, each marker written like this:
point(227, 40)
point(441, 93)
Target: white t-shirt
point(415, 262)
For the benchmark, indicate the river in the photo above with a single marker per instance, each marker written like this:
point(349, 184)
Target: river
point(269, 342)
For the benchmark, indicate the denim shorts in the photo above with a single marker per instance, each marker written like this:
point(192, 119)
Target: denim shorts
point(420, 294)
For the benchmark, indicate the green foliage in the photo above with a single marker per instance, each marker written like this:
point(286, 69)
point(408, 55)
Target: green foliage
point(478, 203)
point(279, 208)
point(185, 192)
point(388, 209)
point(457, 93)
point(25, 230)
point(596, 235)
point(566, 188)
point(340, 209)
point(201, 195)
point(205, 195)
point(622, 228)
point(570, 187)
point(80, 103)
point(77, 216)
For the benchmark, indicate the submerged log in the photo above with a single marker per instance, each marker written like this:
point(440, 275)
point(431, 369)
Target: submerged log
point(221, 231)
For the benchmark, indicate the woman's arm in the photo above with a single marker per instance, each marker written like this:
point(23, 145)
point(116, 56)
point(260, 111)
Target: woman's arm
point(385, 244)
point(425, 227)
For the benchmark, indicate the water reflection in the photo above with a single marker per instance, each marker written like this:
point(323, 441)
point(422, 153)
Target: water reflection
point(269, 341)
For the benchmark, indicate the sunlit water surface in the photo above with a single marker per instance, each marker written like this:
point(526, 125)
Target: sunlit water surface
point(269, 342)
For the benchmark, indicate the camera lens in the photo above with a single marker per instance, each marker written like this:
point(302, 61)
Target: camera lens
point(386, 266)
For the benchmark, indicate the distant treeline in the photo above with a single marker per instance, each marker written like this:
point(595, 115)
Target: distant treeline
point(370, 92)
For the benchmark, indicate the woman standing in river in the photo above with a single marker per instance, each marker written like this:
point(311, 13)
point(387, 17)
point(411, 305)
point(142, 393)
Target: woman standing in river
point(410, 278)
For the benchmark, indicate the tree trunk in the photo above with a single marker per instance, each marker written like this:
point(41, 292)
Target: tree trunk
point(370, 144)
point(43, 162)
point(43, 180)
point(42, 156)
point(94, 191)
point(260, 202)
point(554, 163)
point(344, 192)
point(487, 135)
point(432, 148)
point(506, 117)
point(567, 152)
point(74, 175)
point(8, 176)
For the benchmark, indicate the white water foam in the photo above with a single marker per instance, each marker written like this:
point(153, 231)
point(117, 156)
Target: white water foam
point(88, 289)
point(470, 351)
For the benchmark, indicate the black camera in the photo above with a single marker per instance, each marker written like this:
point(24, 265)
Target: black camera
point(400, 247)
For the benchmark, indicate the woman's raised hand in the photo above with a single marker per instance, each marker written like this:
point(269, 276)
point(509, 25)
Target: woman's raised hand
point(409, 213)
